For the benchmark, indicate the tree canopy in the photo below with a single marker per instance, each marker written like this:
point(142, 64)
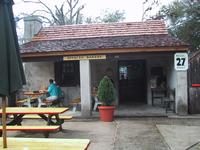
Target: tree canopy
point(183, 17)
point(108, 16)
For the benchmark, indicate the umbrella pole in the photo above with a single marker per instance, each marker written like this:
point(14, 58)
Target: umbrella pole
point(4, 121)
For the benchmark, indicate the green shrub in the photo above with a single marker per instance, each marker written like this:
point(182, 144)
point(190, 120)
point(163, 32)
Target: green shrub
point(106, 91)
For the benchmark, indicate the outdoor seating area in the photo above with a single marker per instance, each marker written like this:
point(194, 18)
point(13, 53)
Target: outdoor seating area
point(53, 119)
point(33, 108)
point(35, 99)
point(76, 102)
point(44, 113)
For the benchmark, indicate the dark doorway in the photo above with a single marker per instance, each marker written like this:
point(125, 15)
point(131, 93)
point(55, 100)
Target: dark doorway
point(132, 82)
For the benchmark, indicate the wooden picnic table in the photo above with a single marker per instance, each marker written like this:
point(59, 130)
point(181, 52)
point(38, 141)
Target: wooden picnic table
point(45, 113)
point(46, 144)
point(35, 110)
point(33, 96)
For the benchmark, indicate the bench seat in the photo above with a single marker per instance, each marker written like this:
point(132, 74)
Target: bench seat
point(31, 128)
point(25, 102)
point(44, 129)
point(75, 102)
point(38, 117)
point(21, 101)
point(45, 144)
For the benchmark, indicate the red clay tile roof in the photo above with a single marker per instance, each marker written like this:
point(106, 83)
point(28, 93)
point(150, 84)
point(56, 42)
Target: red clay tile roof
point(101, 36)
point(101, 30)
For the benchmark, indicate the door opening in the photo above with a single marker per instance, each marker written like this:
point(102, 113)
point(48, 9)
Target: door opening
point(132, 82)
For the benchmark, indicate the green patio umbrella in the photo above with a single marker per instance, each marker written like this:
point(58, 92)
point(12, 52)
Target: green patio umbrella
point(11, 70)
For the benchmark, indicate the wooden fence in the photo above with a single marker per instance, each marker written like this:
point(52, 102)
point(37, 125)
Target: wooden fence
point(194, 83)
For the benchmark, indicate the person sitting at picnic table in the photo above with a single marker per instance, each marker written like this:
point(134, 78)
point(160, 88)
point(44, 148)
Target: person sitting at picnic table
point(53, 91)
point(60, 92)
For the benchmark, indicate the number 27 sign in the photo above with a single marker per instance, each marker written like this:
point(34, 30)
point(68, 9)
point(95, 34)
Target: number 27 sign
point(181, 61)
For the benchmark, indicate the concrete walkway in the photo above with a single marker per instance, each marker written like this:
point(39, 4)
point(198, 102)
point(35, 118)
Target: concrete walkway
point(180, 137)
point(141, 133)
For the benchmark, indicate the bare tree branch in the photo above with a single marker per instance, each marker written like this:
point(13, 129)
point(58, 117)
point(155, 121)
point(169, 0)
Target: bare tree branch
point(78, 11)
point(42, 3)
point(39, 11)
point(150, 5)
point(61, 15)
point(27, 1)
point(46, 18)
point(76, 2)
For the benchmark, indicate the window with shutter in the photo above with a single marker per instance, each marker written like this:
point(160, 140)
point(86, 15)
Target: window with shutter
point(67, 73)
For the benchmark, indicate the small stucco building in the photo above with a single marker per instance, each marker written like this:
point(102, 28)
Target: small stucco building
point(135, 55)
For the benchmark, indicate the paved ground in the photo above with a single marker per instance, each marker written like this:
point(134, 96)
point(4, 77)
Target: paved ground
point(180, 137)
point(147, 133)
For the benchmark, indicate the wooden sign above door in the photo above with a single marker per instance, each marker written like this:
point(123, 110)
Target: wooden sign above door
point(84, 57)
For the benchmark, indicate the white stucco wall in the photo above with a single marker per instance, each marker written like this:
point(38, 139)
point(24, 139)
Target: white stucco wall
point(38, 74)
point(70, 93)
point(171, 74)
point(181, 93)
point(85, 84)
point(178, 80)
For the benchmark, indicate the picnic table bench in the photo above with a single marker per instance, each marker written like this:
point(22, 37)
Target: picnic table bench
point(75, 102)
point(64, 117)
point(32, 96)
point(44, 113)
point(44, 129)
point(31, 128)
point(46, 144)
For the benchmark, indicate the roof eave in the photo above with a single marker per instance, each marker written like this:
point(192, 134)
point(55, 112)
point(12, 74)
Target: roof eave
point(106, 51)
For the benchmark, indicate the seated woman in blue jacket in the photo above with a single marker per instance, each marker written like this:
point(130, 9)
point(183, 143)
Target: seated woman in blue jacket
point(53, 91)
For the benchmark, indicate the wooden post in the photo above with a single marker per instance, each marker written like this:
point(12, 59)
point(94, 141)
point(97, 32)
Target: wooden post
point(4, 121)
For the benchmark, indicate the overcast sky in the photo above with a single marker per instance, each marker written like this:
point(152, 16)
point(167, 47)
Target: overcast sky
point(133, 8)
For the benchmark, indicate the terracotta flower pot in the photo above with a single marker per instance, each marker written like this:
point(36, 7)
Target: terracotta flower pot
point(106, 113)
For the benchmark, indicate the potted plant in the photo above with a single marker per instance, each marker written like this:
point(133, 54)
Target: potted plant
point(106, 96)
